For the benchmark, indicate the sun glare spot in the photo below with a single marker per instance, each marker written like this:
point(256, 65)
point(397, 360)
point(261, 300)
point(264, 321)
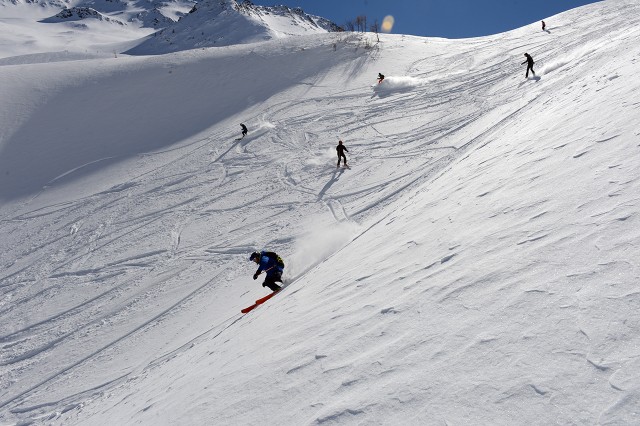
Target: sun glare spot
point(387, 24)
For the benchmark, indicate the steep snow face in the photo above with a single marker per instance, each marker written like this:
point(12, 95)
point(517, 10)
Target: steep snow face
point(153, 18)
point(301, 22)
point(477, 264)
point(227, 22)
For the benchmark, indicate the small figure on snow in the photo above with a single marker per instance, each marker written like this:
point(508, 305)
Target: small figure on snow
point(529, 63)
point(544, 26)
point(380, 77)
point(244, 130)
point(270, 263)
point(341, 149)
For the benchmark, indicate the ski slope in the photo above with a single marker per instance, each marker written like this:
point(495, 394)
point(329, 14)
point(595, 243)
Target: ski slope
point(477, 264)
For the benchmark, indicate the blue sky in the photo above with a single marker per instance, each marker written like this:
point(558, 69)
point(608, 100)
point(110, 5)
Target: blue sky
point(438, 18)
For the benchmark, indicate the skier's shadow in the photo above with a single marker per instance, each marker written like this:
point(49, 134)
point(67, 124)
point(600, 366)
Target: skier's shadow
point(334, 178)
point(528, 79)
point(239, 146)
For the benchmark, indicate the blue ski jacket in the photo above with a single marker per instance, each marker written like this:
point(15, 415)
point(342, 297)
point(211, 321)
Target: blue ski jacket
point(269, 264)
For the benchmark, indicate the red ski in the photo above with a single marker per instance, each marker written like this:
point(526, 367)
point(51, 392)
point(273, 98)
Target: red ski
point(258, 302)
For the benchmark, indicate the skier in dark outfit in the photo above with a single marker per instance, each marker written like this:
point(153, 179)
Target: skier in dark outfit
point(529, 63)
point(380, 77)
point(244, 130)
point(341, 149)
point(270, 263)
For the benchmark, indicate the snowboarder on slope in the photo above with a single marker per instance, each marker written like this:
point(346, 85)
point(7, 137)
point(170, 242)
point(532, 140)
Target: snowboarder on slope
point(244, 130)
point(544, 26)
point(270, 263)
point(529, 63)
point(341, 149)
point(380, 78)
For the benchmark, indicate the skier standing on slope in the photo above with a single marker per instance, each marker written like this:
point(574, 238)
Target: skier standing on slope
point(270, 263)
point(244, 130)
point(544, 26)
point(529, 63)
point(341, 149)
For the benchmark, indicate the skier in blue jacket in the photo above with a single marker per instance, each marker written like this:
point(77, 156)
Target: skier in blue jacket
point(270, 263)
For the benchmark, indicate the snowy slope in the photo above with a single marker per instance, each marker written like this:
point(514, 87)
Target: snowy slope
point(29, 35)
point(476, 265)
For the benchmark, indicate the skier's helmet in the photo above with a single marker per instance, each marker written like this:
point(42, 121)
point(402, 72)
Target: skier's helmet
point(255, 255)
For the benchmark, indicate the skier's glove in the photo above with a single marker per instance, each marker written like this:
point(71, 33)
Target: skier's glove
point(255, 276)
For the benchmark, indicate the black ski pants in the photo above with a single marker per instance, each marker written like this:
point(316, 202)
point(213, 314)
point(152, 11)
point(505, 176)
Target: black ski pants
point(529, 67)
point(271, 280)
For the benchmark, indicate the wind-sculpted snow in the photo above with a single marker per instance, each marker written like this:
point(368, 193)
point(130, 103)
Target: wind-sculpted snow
point(476, 264)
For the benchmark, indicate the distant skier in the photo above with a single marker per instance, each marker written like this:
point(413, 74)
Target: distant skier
point(529, 63)
point(341, 149)
point(380, 78)
point(270, 263)
point(544, 26)
point(244, 130)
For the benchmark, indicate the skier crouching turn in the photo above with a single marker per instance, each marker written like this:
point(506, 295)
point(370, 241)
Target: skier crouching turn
point(270, 263)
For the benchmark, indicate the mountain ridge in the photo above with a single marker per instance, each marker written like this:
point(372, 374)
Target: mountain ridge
point(214, 23)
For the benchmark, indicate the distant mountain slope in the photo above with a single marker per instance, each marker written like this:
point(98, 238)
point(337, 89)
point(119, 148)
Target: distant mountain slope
point(227, 22)
point(140, 13)
point(42, 3)
point(29, 28)
point(78, 14)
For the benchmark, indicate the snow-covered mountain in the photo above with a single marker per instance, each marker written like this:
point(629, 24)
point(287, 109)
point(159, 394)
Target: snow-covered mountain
point(38, 3)
point(79, 14)
point(122, 10)
point(34, 33)
point(228, 22)
point(477, 264)
point(85, 27)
